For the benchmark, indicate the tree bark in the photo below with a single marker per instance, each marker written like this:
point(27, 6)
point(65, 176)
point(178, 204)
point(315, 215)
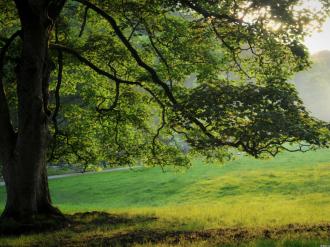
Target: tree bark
point(24, 169)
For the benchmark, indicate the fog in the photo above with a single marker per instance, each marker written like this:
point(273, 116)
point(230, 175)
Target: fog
point(313, 86)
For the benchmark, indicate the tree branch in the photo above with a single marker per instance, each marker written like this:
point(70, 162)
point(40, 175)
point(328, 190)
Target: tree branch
point(159, 54)
point(57, 89)
point(154, 76)
point(207, 14)
point(163, 123)
point(6, 129)
point(155, 79)
point(231, 49)
point(57, 102)
point(105, 73)
point(89, 64)
point(83, 25)
point(114, 104)
point(131, 49)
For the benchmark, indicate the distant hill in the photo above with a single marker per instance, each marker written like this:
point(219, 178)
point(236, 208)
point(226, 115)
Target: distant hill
point(314, 86)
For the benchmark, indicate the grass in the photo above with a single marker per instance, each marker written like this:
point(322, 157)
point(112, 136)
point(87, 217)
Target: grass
point(59, 170)
point(291, 190)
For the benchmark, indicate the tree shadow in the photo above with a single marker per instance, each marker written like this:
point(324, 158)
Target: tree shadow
point(219, 237)
point(105, 229)
point(78, 222)
point(168, 237)
point(89, 220)
point(39, 224)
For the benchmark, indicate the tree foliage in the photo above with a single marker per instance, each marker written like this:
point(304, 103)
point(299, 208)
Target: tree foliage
point(154, 81)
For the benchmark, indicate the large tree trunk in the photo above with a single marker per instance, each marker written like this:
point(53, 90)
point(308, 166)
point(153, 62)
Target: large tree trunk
point(24, 169)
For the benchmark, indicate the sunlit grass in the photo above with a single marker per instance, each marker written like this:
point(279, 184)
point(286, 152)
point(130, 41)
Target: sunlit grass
point(246, 193)
point(241, 212)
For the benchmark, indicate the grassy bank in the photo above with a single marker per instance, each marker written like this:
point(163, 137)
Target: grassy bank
point(291, 190)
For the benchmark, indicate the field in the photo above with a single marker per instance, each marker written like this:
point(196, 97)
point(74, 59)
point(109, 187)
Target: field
point(278, 202)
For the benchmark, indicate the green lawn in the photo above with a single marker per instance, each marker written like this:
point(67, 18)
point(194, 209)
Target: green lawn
point(292, 189)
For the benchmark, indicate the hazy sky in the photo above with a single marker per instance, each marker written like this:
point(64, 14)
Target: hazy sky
point(319, 41)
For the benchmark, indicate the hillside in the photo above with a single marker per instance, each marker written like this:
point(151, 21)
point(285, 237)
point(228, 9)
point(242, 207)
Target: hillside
point(290, 184)
point(247, 202)
point(314, 86)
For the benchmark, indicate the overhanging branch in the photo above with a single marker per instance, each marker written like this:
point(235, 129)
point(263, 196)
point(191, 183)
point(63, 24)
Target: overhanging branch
point(114, 104)
point(131, 49)
point(89, 63)
point(217, 141)
point(209, 14)
point(154, 76)
point(159, 54)
point(83, 25)
point(105, 73)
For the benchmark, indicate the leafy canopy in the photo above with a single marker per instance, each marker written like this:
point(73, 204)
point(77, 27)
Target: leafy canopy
point(155, 81)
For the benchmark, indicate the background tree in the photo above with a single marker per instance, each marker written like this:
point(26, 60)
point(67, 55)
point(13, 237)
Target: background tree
point(128, 81)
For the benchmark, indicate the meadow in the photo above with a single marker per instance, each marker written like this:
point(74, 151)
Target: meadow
point(246, 202)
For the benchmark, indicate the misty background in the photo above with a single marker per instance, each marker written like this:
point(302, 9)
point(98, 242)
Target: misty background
point(313, 86)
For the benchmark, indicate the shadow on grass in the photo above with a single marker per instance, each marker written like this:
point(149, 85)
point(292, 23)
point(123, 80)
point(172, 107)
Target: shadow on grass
point(78, 222)
point(149, 235)
point(224, 236)
point(217, 237)
point(91, 220)
point(101, 218)
point(104, 229)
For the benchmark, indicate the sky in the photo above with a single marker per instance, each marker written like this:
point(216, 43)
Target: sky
point(319, 41)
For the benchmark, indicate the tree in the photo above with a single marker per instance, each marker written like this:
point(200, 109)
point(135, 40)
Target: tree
point(237, 54)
